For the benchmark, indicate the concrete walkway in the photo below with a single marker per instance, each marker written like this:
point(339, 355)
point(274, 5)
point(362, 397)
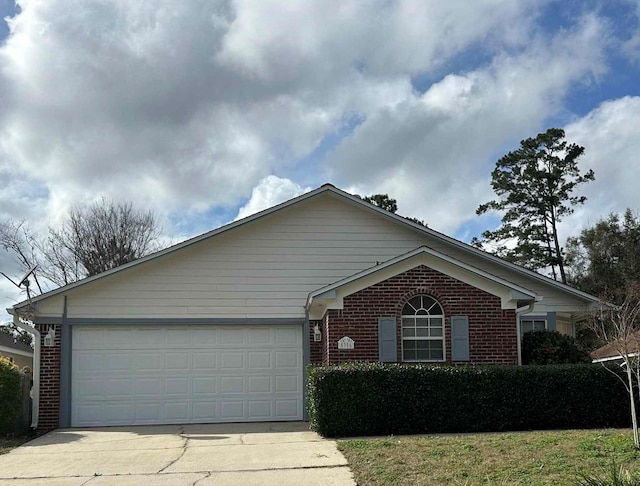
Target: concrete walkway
point(278, 453)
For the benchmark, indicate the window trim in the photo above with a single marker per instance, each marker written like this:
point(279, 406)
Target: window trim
point(442, 339)
point(533, 319)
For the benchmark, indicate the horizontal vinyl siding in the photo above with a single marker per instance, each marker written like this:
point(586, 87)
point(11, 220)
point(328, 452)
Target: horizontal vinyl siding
point(551, 295)
point(266, 268)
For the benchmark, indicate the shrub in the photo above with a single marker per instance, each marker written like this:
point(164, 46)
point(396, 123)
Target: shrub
point(551, 347)
point(9, 395)
point(376, 399)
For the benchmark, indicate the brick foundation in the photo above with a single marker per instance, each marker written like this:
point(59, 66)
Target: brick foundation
point(492, 331)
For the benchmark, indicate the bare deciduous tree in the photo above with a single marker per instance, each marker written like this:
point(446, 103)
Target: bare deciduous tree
point(620, 327)
point(92, 239)
point(17, 239)
point(106, 235)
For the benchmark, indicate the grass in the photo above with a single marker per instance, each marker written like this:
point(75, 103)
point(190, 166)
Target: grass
point(8, 444)
point(518, 458)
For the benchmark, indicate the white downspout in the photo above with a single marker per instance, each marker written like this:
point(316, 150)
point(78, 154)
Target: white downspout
point(35, 409)
point(525, 309)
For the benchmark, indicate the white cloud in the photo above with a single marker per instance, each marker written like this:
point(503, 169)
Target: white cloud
point(179, 106)
point(187, 107)
point(631, 46)
point(610, 136)
point(270, 191)
point(433, 152)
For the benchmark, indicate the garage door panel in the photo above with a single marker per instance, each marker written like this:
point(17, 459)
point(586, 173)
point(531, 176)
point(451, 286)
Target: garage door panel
point(205, 411)
point(153, 375)
point(203, 386)
point(177, 338)
point(230, 337)
point(92, 338)
point(287, 359)
point(105, 389)
point(177, 412)
point(204, 361)
point(147, 412)
point(177, 387)
point(86, 362)
point(116, 362)
point(144, 338)
point(116, 413)
point(177, 361)
point(148, 388)
point(147, 361)
point(286, 409)
point(259, 384)
point(259, 337)
point(231, 384)
point(259, 360)
point(118, 338)
point(286, 336)
point(260, 409)
point(232, 361)
point(232, 410)
point(204, 338)
point(287, 384)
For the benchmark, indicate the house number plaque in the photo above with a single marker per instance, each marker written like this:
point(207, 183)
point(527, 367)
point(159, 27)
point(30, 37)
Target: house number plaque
point(346, 343)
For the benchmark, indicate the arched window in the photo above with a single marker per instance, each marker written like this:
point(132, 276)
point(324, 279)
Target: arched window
point(422, 330)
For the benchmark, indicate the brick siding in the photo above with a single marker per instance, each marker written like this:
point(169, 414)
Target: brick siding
point(49, 415)
point(492, 331)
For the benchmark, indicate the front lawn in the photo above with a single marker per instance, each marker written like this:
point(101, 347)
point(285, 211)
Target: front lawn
point(517, 458)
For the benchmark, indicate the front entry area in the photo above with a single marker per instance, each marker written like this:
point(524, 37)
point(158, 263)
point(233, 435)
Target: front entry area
point(146, 374)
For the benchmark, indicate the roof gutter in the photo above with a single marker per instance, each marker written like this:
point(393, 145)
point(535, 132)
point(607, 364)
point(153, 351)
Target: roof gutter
point(35, 409)
point(612, 358)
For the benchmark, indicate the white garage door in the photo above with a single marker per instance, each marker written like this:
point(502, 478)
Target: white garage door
point(130, 375)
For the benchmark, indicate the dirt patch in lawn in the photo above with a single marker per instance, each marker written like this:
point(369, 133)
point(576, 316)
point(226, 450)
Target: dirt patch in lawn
point(8, 444)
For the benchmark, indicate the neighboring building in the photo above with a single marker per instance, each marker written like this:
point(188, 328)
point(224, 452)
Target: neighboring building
point(19, 353)
point(219, 328)
point(610, 352)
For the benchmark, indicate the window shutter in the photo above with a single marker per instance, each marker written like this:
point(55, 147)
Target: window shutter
point(387, 343)
point(459, 338)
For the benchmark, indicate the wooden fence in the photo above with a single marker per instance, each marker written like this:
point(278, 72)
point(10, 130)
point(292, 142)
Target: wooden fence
point(23, 421)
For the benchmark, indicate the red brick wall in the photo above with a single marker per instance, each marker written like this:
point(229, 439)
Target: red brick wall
point(492, 331)
point(316, 349)
point(49, 380)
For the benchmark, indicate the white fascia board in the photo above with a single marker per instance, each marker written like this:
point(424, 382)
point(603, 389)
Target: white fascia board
point(507, 291)
point(613, 358)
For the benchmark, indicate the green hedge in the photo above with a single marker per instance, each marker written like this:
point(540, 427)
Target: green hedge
point(551, 347)
point(375, 399)
point(10, 399)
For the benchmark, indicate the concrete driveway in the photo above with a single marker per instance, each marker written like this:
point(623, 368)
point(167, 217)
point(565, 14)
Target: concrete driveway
point(282, 453)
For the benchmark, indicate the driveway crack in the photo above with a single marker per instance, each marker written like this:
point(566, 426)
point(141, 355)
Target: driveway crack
point(206, 476)
point(184, 449)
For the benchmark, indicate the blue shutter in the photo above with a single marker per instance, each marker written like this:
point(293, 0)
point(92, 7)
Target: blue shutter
point(551, 321)
point(459, 338)
point(387, 343)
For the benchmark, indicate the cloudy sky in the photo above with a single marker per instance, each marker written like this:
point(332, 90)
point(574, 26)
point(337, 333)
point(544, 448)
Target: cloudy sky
point(206, 111)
